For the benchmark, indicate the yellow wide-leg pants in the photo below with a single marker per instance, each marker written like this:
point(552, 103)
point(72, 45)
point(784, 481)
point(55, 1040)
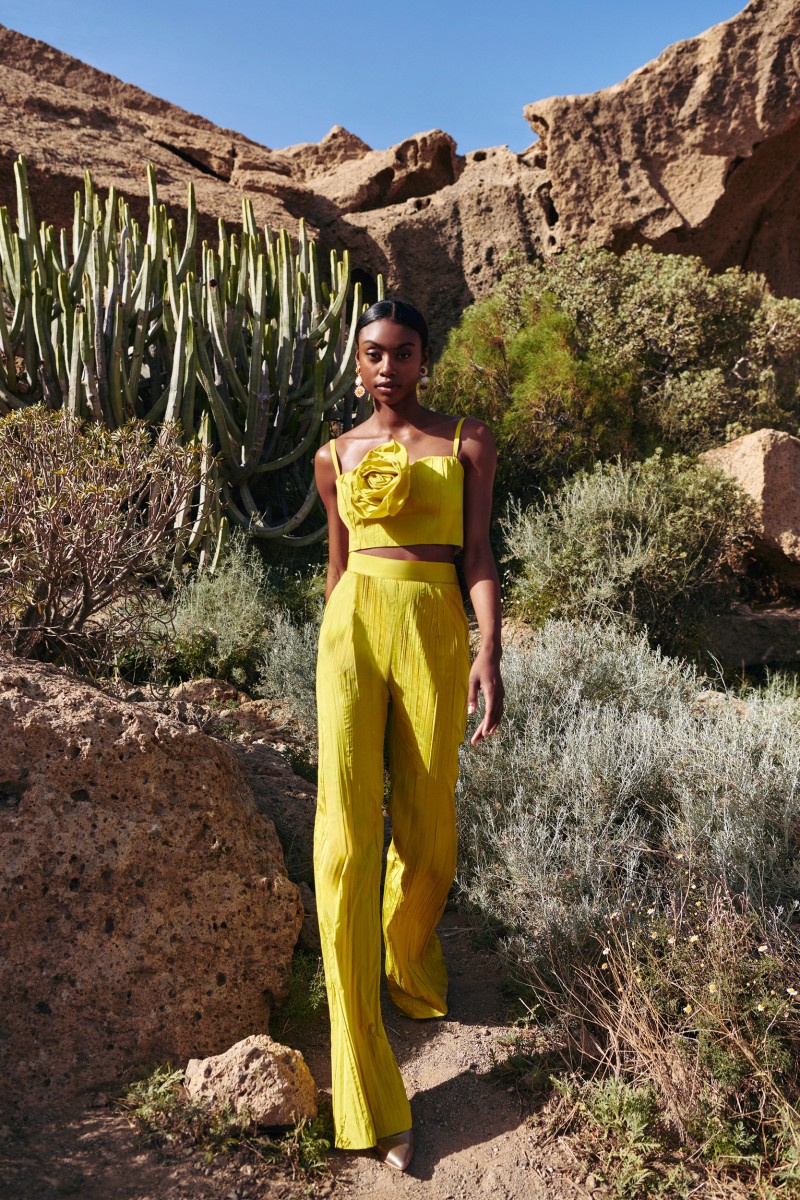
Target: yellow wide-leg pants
point(394, 652)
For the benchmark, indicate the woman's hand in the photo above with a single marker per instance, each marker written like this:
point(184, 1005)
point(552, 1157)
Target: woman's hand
point(485, 677)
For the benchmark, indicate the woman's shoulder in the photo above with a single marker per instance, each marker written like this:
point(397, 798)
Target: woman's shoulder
point(329, 455)
point(466, 427)
point(477, 437)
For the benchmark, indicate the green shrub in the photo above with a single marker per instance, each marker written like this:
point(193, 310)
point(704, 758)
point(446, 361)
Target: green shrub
point(523, 370)
point(593, 354)
point(653, 544)
point(222, 623)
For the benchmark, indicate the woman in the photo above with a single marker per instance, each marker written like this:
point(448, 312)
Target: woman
point(403, 491)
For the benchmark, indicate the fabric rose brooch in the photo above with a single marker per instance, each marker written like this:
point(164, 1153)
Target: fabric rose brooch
point(379, 484)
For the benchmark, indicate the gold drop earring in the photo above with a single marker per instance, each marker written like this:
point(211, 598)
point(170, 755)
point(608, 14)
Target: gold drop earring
point(423, 377)
point(360, 390)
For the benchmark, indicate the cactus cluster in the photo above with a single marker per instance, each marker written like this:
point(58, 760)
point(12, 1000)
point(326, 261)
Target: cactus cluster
point(245, 346)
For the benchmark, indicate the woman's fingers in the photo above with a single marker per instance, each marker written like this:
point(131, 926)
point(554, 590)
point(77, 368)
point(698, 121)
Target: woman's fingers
point(472, 694)
point(493, 707)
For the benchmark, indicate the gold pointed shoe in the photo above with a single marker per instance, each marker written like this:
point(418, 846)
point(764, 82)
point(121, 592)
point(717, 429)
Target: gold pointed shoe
point(397, 1149)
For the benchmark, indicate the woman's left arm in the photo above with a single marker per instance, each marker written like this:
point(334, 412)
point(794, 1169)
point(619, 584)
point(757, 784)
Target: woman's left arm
point(479, 458)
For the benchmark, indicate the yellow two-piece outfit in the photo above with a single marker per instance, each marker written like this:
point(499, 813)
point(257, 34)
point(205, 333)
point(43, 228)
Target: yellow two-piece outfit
point(393, 649)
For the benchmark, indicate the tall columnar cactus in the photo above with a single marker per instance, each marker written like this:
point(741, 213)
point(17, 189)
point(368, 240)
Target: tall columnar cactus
point(249, 349)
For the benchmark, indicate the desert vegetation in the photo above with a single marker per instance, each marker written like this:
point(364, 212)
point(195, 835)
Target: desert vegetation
point(245, 348)
point(592, 356)
point(654, 545)
point(628, 840)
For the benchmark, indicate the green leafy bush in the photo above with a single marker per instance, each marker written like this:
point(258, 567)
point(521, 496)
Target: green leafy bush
point(653, 544)
point(222, 623)
point(522, 368)
point(593, 355)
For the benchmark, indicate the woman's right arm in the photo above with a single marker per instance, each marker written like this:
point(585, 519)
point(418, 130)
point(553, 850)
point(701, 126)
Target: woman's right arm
point(338, 537)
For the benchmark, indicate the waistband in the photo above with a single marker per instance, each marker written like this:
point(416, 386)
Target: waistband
point(402, 568)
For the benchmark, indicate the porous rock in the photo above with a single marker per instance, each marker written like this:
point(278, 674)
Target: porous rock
point(145, 911)
point(767, 465)
point(208, 692)
point(269, 1082)
point(697, 152)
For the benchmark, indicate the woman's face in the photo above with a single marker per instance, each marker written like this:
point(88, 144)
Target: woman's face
point(389, 357)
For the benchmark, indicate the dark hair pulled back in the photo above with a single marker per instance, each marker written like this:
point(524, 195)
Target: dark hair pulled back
point(400, 313)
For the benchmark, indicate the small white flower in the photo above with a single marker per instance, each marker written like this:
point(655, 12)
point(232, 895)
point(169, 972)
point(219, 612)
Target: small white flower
point(762, 949)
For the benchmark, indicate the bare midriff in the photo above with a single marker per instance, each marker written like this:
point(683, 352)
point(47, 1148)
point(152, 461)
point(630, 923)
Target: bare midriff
point(429, 552)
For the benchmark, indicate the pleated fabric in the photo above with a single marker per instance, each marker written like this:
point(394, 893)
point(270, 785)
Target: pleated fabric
point(393, 656)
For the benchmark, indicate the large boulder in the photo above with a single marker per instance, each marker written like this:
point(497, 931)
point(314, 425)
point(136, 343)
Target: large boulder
point(145, 911)
point(767, 465)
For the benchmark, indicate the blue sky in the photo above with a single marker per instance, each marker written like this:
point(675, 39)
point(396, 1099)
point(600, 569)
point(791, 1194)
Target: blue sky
point(284, 73)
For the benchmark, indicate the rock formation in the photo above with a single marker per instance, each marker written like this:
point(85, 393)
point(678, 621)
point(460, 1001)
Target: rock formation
point(767, 465)
point(145, 911)
point(268, 1081)
point(697, 152)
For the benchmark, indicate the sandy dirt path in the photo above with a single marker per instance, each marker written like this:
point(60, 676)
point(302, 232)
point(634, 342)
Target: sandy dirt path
point(472, 1135)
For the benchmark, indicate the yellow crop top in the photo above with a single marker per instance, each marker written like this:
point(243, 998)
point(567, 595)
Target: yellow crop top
point(388, 501)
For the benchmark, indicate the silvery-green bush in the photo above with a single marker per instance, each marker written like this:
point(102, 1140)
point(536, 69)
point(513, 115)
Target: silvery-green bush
point(287, 671)
point(655, 544)
point(223, 618)
point(249, 621)
point(605, 769)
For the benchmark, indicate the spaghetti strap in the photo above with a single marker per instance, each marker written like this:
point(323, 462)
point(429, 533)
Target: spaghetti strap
point(457, 438)
point(334, 456)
